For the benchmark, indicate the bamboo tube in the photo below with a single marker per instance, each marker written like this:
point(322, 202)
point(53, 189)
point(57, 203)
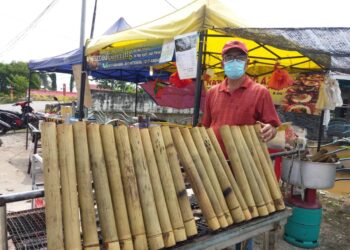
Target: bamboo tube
point(163, 214)
point(71, 223)
point(102, 191)
point(252, 149)
point(116, 187)
point(86, 200)
point(257, 128)
point(184, 202)
point(130, 188)
point(269, 174)
point(149, 210)
point(195, 180)
point(168, 184)
point(238, 170)
point(204, 176)
point(199, 144)
point(53, 209)
point(227, 169)
point(230, 196)
point(240, 144)
point(258, 177)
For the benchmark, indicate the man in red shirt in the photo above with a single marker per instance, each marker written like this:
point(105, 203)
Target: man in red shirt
point(238, 100)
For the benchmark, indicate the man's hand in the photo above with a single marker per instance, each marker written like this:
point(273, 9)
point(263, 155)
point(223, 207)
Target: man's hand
point(267, 132)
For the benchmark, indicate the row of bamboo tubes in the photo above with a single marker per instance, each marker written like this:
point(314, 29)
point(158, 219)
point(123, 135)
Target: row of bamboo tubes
point(139, 188)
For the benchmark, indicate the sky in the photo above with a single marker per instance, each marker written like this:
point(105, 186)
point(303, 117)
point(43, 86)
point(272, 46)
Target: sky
point(25, 36)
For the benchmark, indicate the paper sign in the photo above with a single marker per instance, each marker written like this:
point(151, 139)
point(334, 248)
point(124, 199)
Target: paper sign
point(186, 55)
point(167, 51)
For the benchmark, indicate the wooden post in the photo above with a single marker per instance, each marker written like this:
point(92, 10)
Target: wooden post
point(259, 175)
point(130, 188)
point(163, 214)
point(226, 188)
point(267, 168)
point(199, 143)
point(246, 163)
point(149, 210)
point(196, 182)
point(228, 171)
point(204, 176)
point(53, 208)
point(116, 187)
point(184, 202)
point(71, 223)
point(102, 191)
point(238, 170)
point(168, 184)
point(86, 200)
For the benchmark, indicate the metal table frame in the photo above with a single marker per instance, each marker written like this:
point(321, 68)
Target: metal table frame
point(214, 240)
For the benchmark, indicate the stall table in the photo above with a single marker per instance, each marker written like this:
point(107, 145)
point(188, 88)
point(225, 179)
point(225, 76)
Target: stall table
point(25, 227)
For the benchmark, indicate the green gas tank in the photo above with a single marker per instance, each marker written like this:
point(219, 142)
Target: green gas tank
point(303, 227)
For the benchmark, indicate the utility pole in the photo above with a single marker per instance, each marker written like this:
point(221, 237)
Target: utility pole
point(82, 23)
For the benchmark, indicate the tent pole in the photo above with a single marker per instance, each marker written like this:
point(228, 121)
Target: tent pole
point(93, 21)
point(198, 93)
point(136, 97)
point(28, 100)
point(82, 87)
point(320, 131)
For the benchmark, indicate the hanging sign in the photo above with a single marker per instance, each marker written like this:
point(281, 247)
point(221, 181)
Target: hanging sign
point(140, 54)
point(186, 55)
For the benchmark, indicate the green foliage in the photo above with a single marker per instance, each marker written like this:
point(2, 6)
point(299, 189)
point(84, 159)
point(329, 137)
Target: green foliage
point(53, 81)
point(118, 86)
point(16, 75)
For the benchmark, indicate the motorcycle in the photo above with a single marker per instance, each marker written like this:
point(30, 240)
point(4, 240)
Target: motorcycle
point(12, 120)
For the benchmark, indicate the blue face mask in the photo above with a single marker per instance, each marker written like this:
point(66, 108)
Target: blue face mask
point(234, 69)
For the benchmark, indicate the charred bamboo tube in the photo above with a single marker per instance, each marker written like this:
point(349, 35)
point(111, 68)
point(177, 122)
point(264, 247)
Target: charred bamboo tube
point(196, 182)
point(269, 174)
point(238, 170)
point(262, 186)
point(130, 188)
point(53, 209)
point(227, 190)
point(227, 169)
point(184, 202)
point(148, 205)
point(69, 192)
point(204, 176)
point(163, 214)
point(257, 195)
point(86, 200)
point(102, 191)
point(199, 144)
point(168, 184)
point(116, 187)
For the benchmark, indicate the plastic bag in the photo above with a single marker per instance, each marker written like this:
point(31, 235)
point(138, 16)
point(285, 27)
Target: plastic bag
point(175, 80)
point(280, 79)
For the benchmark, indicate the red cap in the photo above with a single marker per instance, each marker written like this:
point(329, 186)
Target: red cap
point(234, 45)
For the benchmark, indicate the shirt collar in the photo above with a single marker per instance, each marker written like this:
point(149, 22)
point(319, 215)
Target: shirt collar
point(246, 83)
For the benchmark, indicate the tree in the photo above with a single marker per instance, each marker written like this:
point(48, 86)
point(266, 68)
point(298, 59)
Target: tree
point(116, 85)
point(16, 74)
point(53, 81)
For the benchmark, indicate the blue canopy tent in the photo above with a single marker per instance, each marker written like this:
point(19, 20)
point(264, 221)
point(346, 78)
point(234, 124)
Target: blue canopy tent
point(63, 63)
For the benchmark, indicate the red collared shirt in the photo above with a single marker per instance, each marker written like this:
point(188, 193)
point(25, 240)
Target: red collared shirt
point(246, 105)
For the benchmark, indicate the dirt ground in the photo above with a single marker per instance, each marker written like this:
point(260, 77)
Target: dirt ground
point(14, 158)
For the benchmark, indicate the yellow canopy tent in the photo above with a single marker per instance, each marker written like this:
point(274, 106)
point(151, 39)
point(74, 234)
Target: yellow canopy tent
point(216, 25)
